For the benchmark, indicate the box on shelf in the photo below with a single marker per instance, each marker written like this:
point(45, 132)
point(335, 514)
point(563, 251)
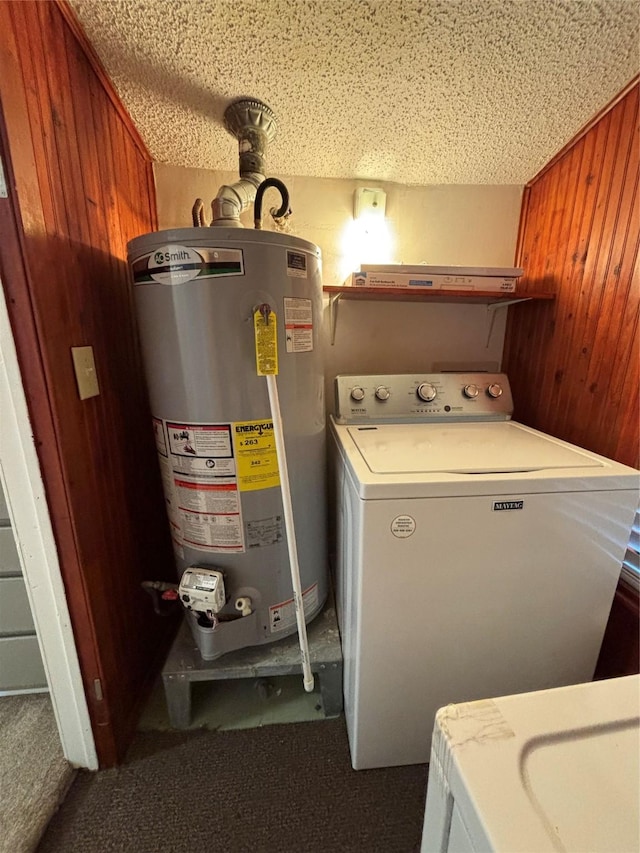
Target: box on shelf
point(501, 280)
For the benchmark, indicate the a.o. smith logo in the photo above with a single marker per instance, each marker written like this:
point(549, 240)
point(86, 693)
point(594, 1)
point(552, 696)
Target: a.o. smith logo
point(166, 257)
point(505, 505)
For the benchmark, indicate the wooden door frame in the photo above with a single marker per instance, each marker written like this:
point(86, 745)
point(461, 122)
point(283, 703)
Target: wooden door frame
point(29, 455)
point(41, 192)
point(22, 481)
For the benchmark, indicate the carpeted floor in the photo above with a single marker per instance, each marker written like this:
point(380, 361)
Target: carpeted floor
point(34, 775)
point(286, 788)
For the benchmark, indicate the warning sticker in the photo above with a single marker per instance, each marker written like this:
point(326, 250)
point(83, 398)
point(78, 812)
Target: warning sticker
point(207, 497)
point(212, 468)
point(168, 486)
point(176, 540)
point(173, 513)
point(199, 440)
point(264, 531)
point(202, 452)
point(266, 336)
point(201, 486)
point(214, 533)
point(256, 457)
point(158, 432)
point(298, 324)
point(283, 615)
point(296, 264)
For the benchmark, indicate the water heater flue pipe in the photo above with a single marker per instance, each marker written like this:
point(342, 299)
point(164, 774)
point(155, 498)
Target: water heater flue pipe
point(254, 126)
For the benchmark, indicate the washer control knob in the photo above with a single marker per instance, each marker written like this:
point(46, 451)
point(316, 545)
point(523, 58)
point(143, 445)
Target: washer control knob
point(382, 392)
point(357, 393)
point(494, 390)
point(427, 392)
point(471, 391)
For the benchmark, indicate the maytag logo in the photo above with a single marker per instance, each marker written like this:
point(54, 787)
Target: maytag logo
point(504, 505)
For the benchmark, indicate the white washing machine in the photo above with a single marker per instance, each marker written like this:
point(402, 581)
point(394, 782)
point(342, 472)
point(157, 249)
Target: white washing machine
point(555, 770)
point(475, 557)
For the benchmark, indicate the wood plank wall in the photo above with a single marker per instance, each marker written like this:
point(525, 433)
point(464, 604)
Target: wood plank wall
point(574, 364)
point(84, 187)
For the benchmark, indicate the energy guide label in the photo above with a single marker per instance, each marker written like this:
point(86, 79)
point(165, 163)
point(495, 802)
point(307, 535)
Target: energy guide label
point(283, 616)
point(256, 456)
point(298, 324)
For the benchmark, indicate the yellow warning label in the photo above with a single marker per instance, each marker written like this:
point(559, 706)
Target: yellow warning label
point(256, 457)
point(264, 322)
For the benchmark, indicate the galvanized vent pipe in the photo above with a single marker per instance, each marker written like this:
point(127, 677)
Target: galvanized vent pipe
point(254, 125)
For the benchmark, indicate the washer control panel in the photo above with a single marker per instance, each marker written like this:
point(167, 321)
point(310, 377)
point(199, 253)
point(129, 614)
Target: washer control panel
point(423, 397)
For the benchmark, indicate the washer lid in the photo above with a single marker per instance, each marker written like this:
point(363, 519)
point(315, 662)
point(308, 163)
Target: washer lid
point(464, 448)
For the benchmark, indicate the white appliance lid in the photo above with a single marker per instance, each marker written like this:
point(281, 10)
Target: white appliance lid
point(552, 770)
point(463, 448)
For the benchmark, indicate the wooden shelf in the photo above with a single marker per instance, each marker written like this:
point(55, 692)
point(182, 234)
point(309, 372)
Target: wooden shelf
point(492, 299)
point(424, 294)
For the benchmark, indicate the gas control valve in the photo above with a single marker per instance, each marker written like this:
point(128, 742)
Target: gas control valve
point(202, 589)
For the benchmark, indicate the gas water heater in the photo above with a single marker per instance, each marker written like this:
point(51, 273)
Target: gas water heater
point(197, 291)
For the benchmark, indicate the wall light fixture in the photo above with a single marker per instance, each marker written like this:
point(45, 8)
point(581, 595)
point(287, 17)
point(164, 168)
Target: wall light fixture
point(367, 238)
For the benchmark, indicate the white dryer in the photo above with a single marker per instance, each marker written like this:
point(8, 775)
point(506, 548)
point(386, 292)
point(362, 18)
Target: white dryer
point(476, 557)
point(546, 771)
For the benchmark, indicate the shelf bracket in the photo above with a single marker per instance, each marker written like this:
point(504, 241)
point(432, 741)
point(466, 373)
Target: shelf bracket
point(493, 307)
point(333, 315)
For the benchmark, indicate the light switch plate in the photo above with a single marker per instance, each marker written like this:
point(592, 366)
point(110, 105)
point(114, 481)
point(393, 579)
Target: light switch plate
point(85, 368)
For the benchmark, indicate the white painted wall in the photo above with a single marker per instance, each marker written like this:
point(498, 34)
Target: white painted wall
point(458, 225)
point(462, 225)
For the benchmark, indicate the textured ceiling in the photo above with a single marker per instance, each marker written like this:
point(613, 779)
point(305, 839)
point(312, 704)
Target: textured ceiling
point(415, 91)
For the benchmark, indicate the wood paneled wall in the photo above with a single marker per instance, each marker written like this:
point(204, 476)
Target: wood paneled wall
point(81, 186)
point(575, 363)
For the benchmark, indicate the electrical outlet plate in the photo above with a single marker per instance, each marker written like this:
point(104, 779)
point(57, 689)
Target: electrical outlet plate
point(369, 201)
point(85, 369)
